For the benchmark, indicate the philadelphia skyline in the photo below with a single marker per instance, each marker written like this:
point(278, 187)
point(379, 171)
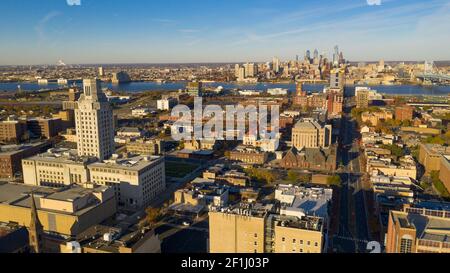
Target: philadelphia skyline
point(174, 31)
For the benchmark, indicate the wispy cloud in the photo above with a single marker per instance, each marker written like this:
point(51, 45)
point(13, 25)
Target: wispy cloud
point(368, 21)
point(40, 27)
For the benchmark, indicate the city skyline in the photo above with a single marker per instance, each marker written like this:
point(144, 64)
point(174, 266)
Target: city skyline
point(221, 31)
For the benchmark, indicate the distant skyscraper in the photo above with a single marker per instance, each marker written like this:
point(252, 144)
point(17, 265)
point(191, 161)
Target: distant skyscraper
point(94, 122)
point(316, 54)
point(308, 55)
point(236, 70)
point(101, 71)
point(250, 69)
point(336, 56)
point(276, 64)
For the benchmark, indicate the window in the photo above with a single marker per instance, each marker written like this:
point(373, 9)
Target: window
point(406, 244)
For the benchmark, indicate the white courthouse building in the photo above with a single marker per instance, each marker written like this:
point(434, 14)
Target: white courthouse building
point(136, 180)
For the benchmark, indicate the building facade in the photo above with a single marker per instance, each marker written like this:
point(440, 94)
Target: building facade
point(94, 122)
point(254, 228)
point(417, 230)
point(309, 133)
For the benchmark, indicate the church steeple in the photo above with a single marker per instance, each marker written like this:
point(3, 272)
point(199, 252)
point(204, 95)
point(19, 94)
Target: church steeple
point(36, 230)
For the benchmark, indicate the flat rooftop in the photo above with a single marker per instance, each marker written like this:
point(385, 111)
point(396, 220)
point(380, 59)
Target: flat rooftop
point(134, 163)
point(432, 228)
point(62, 155)
point(312, 201)
point(94, 238)
point(6, 150)
point(306, 223)
point(19, 195)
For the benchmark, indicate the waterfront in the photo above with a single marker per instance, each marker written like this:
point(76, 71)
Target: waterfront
point(135, 87)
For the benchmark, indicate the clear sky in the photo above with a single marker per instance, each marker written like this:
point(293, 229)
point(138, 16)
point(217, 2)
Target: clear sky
point(168, 31)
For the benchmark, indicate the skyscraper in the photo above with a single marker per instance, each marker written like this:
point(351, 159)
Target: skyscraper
point(336, 56)
point(276, 64)
point(316, 54)
point(308, 55)
point(94, 122)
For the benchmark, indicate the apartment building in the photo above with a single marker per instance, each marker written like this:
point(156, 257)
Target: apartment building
point(44, 127)
point(12, 131)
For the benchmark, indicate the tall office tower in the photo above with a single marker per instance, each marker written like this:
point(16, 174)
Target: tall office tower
point(94, 122)
point(308, 55)
point(336, 56)
point(337, 78)
point(316, 54)
point(241, 74)
point(276, 64)
point(101, 71)
point(381, 66)
point(236, 70)
point(341, 58)
point(250, 69)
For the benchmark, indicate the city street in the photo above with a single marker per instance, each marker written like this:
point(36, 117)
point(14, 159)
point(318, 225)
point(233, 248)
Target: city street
point(351, 237)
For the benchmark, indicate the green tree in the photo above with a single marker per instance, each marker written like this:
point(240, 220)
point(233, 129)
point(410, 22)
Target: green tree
point(334, 181)
point(152, 216)
point(292, 176)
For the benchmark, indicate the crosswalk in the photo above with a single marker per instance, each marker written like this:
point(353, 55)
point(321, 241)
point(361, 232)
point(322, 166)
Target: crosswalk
point(352, 239)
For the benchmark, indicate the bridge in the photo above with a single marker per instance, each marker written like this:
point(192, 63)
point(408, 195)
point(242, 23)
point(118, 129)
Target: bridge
point(431, 74)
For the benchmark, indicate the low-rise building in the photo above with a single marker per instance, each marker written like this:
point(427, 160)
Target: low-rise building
point(375, 117)
point(404, 113)
point(257, 228)
point(304, 201)
point(44, 127)
point(136, 180)
point(166, 104)
point(417, 230)
point(56, 168)
point(430, 156)
point(249, 155)
point(146, 147)
point(66, 212)
point(107, 239)
point(444, 172)
point(11, 157)
point(12, 131)
point(317, 159)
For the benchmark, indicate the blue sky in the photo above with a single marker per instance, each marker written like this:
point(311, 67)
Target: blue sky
point(167, 31)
